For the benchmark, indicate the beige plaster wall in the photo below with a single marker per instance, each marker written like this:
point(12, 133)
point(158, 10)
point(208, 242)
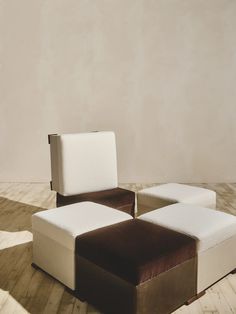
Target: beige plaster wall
point(160, 73)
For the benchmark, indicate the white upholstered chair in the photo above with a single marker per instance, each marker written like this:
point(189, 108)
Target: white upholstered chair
point(84, 168)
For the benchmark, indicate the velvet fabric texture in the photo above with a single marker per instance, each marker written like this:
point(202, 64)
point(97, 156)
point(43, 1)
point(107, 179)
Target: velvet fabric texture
point(135, 267)
point(135, 250)
point(117, 198)
point(113, 295)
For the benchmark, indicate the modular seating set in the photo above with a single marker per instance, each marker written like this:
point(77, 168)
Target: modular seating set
point(167, 256)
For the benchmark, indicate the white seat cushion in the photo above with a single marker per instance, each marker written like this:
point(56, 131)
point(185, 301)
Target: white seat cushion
point(65, 223)
point(209, 226)
point(83, 162)
point(176, 193)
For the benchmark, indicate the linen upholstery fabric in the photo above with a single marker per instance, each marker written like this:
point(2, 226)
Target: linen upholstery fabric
point(208, 226)
point(215, 263)
point(65, 223)
point(170, 193)
point(118, 198)
point(55, 230)
point(83, 162)
point(135, 267)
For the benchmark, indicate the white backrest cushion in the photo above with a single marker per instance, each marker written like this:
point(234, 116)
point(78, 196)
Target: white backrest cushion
point(83, 162)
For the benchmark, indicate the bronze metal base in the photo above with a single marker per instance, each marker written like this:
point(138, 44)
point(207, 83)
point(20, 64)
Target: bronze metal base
point(194, 298)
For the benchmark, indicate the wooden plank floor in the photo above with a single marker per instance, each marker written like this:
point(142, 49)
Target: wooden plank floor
point(26, 290)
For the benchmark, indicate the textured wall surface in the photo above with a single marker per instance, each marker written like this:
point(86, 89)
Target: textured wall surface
point(160, 73)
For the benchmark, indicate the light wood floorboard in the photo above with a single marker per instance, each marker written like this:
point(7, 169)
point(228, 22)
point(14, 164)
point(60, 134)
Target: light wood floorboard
point(24, 289)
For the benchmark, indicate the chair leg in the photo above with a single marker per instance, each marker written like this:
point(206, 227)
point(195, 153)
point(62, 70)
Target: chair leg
point(195, 297)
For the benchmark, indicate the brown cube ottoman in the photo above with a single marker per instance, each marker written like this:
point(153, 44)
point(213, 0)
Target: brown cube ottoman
point(135, 267)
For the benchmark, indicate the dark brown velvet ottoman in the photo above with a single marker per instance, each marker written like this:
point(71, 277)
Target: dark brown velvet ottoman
point(117, 198)
point(135, 267)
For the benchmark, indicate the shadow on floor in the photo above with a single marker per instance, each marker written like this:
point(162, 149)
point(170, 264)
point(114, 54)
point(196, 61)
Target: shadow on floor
point(24, 289)
point(16, 216)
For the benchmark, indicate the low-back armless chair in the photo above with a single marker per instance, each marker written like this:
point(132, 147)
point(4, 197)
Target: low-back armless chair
point(84, 168)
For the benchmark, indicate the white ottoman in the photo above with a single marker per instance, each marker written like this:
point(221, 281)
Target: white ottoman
point(55, 230)
point(215, 232)
point(171, 193)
